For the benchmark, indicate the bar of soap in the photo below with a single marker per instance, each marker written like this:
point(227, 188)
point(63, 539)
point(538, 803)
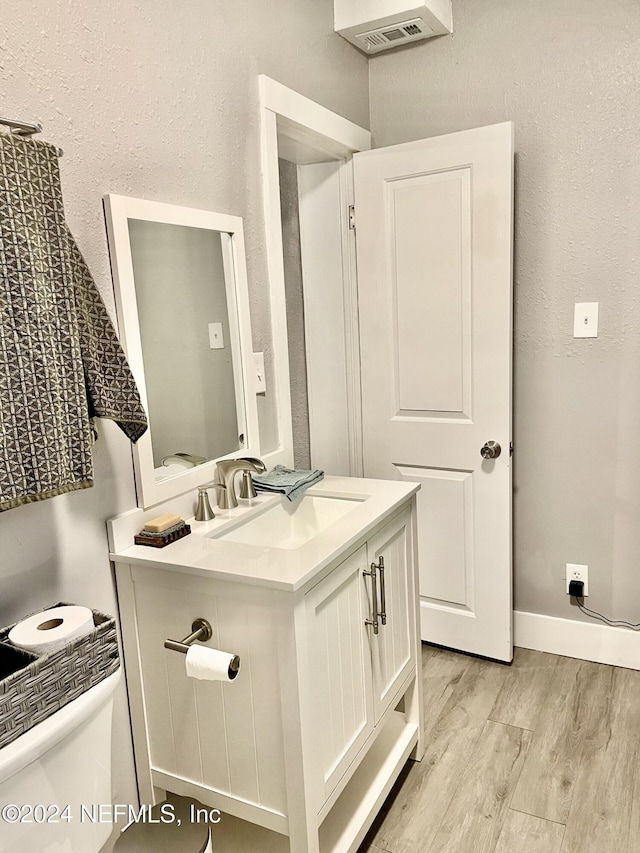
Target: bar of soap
point(161, 522)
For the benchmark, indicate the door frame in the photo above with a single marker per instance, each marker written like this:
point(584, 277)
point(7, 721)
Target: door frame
point(300, 130)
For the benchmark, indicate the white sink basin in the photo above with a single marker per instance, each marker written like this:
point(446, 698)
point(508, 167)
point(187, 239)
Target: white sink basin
point(289, 524)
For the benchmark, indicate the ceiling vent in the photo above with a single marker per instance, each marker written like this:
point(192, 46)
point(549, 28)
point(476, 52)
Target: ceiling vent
point(386, 37)
point(375, 25)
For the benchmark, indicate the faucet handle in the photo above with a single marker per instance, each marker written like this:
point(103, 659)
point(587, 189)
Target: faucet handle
point(203, 509)
point(247, 488)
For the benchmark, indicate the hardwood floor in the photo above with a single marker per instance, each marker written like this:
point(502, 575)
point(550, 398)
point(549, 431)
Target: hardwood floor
point(539, 757)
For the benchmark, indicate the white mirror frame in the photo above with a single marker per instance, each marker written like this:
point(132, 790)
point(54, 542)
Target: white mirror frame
point(118, 211)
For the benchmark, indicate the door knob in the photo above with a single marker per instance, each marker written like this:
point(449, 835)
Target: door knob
point(490, 450)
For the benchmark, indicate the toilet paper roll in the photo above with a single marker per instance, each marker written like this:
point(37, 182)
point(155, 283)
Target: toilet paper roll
point(209, 664)
point(52, 629)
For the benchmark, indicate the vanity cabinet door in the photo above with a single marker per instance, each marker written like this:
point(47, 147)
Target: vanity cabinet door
point(391, 647)
point(340, 670)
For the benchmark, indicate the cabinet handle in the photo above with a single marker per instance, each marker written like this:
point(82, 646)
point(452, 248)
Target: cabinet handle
point(374, 591)
point(383, 594)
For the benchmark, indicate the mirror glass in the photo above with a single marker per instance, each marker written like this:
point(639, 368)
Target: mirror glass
point(180, 285)
point(186, 345)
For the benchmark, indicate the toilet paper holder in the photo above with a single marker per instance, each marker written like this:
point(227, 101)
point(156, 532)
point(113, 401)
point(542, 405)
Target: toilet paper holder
point(200, 630)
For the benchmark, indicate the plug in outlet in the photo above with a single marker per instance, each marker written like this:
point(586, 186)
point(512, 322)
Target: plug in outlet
point(578, 573)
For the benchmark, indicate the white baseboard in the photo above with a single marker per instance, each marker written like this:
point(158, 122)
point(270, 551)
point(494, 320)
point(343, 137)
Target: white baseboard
point(567, 637)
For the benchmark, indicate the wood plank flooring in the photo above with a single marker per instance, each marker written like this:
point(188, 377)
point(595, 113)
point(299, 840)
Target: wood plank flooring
point(539, 757)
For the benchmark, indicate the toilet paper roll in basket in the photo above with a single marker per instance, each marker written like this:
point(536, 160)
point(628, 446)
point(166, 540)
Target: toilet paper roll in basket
point(52, 629)
point(210, 664)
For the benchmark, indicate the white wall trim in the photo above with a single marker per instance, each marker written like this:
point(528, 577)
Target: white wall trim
point(291, 106)
point(287, 115)
point(325, 332)
point(275, 269)
point(350, 278)
point(570, 638)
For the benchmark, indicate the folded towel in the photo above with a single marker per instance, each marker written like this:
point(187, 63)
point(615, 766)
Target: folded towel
point(61, 362)
point(287, 481)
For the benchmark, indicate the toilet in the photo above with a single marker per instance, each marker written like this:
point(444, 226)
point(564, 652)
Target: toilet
point(56, 776)
point(63, 761)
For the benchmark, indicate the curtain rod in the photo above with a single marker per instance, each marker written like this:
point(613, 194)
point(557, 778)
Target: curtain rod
point(24, 128)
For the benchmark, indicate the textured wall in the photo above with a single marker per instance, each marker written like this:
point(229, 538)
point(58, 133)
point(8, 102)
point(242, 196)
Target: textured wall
point(568, 75)
point(157, 100)
point(295, 312)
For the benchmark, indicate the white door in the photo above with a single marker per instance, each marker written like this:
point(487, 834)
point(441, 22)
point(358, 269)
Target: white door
point(434, 235)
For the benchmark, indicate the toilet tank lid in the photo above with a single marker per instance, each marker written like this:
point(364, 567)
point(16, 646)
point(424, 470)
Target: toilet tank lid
point(30, 746)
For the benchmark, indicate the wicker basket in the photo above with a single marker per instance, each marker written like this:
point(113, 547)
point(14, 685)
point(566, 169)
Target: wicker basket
point(33, 687)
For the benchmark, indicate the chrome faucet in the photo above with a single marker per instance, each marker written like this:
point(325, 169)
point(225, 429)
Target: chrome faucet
point(226, 471)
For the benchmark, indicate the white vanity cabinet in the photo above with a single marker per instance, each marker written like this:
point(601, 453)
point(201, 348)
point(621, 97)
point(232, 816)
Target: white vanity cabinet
point(309, 738)
point(358, 673)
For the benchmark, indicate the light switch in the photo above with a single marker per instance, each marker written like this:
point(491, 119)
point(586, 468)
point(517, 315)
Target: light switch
point(261, 382)
point(216, 338)
point(585, 320)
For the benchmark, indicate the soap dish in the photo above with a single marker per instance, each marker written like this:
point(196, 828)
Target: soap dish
point(159, 541)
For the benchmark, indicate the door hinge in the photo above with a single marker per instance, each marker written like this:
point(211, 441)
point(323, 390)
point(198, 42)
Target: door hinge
point(352, 217)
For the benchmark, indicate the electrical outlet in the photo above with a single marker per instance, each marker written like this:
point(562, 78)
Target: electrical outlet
point(578, 573)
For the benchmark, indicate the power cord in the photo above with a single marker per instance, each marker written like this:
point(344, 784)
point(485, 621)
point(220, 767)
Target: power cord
point(595, 615)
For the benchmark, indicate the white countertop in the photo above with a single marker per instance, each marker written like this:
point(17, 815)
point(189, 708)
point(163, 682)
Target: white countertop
point(275, 568)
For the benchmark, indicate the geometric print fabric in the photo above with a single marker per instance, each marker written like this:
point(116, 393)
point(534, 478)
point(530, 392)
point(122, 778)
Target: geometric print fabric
point(61, 362)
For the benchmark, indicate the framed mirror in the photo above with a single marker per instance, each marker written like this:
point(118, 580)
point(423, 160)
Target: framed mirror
point(183, 310)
